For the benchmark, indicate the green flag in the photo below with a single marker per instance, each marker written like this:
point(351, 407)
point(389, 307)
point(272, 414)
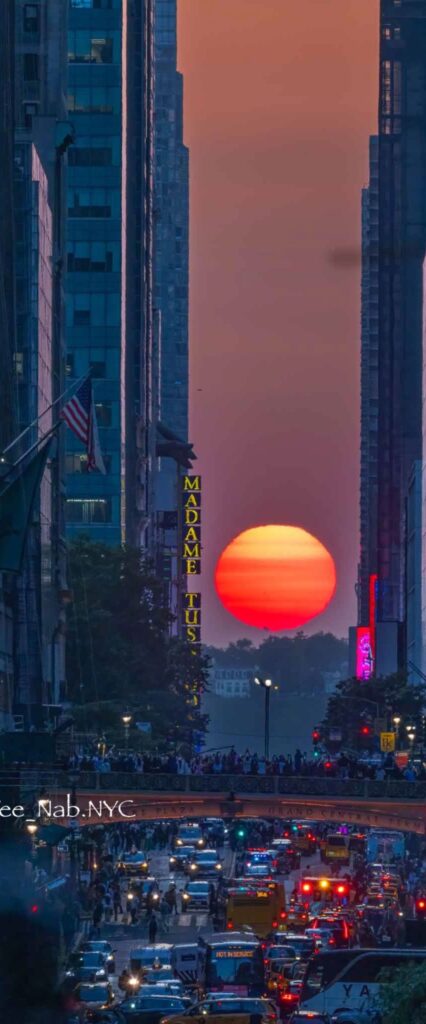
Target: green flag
point(16, 505)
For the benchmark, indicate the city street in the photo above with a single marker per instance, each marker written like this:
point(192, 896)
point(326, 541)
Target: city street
point(185, 928)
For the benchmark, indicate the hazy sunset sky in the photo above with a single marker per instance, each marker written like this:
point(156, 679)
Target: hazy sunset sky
point(280, 99)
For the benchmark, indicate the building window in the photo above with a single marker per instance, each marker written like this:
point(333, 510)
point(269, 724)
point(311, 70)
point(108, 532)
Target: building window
point(96, 5)
point(95, 202)
point(18, 363)
point(86, 49)
point(30, 111)
point(97, 370)
point(88, 510)
point(31, 67)
point(69, 365)
point(82, 317)
point(96, 100)
point(31, 18)
point(103, 413)
point(77, 463)
point(92, 257)
point(93, 156)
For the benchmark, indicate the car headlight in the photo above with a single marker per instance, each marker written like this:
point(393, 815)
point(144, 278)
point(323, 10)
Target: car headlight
point(172, 860)
point(155, 896)
point(178, 842)
point(110, 958)
point(100, 974)
point(129, 895)
point(186, 896)
point(193, 867)
point(218, 867)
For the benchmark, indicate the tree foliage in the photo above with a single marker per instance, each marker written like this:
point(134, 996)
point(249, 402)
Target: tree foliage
point(355, 701)
point(403, 995)
point(297, 663)
point(119, 647)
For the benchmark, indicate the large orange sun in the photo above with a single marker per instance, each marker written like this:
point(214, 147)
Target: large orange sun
point(275, 577)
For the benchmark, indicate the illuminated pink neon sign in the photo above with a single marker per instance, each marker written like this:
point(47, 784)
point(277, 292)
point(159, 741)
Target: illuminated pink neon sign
point(364, 653)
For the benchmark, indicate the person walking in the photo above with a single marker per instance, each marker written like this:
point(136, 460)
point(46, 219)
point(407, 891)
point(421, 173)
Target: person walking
point(97, 918)
point(152, 928)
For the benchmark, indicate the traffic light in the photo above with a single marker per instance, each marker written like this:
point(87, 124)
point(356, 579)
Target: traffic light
point(421, 907)
point(365, 730)
point(241, 832)
point(316, 736)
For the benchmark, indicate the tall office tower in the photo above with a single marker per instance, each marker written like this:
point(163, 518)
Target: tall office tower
point(171, 259)
point(7, 326)
point(369, 385)
point(401, 248)
point(42, 135)
point(109, 262)
point(7, 262)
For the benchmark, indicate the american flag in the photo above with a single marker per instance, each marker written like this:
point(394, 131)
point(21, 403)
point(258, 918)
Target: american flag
point(79, 414)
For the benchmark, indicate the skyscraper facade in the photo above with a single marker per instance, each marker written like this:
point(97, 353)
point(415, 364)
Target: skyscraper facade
point(171, 290)
point(109, 263)
point(42, 135)
point(401, 240)
point(171, 189)
point(369, 384)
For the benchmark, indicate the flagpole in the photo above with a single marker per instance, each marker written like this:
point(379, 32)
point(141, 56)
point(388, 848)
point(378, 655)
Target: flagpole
point(36, 444)
point(49, 407)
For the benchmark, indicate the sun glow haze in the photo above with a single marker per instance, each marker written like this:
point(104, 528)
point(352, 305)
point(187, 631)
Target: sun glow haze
point(275, 577)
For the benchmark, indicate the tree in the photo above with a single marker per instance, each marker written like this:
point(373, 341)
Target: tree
point(296, 664)
point(403, 995)
point(355, 703)
point(119, 647)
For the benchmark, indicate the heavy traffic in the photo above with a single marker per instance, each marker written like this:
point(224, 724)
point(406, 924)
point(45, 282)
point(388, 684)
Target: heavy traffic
point(255, 921)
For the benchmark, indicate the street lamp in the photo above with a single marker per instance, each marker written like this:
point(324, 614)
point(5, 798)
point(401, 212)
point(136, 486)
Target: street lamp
point(32, 827)
point(397, 722)
point(267, 685)
point(126, 720)
point(411, 736)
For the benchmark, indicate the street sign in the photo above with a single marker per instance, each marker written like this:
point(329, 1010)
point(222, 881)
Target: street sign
point(387, 742)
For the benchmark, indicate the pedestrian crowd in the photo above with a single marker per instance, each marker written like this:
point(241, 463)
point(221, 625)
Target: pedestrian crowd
point(231, 763)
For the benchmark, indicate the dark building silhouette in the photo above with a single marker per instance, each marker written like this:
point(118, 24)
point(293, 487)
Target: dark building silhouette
point(392, 291)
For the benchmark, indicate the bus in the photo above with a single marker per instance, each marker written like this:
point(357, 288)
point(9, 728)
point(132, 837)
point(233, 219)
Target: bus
point(351, 979)
point(251, 907)
point(233, 962)
point(384, 846)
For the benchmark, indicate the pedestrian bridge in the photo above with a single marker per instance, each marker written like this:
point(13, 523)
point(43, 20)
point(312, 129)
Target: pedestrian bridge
point(388, 804)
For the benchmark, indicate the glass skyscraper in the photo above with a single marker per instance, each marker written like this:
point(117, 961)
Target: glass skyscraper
point(171, 189)
point(94, 256)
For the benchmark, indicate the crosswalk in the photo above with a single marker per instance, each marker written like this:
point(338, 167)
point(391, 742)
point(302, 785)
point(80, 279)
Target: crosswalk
point(192, 920)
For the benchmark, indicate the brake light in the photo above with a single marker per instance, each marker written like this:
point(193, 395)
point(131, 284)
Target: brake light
point(283, 915)
point(421, 904)
point(341, 889)
point(275, 924)
point(289, 997)
point(230, 925)
point(306, 887)
point(331, 941)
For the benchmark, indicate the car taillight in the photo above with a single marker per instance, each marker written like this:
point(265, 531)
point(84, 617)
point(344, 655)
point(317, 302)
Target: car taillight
point(275, 924)
point(230, 925)
point(331, 941)
point(283, 915)
point(289, 997)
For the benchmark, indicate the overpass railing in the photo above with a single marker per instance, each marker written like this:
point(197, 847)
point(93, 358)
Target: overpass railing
point(255, 785)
